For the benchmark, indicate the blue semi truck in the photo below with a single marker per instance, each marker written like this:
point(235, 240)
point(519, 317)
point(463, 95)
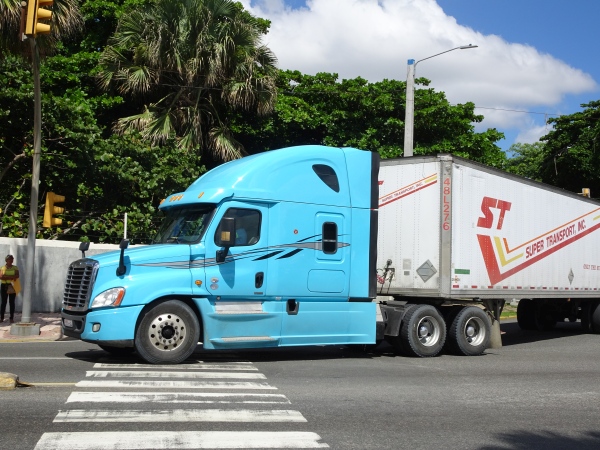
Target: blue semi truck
point(275, 249)
point(305, 245)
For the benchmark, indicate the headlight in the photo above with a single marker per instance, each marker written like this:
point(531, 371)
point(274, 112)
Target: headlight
point(110, 297)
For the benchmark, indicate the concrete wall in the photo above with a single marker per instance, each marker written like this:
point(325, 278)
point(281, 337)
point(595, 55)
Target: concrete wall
point(52, 259)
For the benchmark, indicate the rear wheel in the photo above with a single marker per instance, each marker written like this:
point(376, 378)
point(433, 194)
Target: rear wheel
point(526, 314)
point(590, 316)
point(168, 333)
point(545, 320)
point(422, 332)
point(469, 332)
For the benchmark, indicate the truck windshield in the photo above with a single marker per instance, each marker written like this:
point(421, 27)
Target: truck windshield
point(184, 225)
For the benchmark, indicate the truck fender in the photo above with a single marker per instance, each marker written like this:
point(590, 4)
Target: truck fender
point(392, 318)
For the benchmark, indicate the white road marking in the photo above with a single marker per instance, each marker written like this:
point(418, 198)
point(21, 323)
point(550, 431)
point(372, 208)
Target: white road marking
point(200, 366)
point(180, 415)
point(132, 440)
point(168, 384)
point(174, 397)
point(163, 374)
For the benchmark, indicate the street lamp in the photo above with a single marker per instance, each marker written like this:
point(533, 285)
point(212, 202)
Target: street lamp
point(409, 119)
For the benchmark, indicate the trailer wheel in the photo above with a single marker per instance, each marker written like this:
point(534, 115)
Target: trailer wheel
point(422, 332)
point(469, 332)
point(168, 333)
point(590, 316)
point(117, 351)
point(544, 319)
point(526, 314)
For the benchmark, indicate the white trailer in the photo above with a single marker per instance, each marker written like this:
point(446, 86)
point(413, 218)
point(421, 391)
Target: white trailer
point(453, 232)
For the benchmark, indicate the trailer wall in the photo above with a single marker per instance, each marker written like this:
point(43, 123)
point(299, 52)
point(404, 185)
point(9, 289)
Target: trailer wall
point(453, 228)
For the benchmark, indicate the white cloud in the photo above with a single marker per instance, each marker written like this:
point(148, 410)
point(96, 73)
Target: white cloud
point(374, 39)
point(533, 134)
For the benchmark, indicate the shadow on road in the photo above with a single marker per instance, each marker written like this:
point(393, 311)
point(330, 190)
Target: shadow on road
point(515, 336)
point(546, 440)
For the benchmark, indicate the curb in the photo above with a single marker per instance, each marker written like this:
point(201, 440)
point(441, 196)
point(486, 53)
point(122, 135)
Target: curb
point(8, 381)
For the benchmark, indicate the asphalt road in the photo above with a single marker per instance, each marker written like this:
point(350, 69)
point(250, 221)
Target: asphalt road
point(540, 391)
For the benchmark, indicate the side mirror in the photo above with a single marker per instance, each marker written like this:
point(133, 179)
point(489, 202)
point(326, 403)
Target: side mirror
point(123, 246)
point(226, 237)
point(83, 247)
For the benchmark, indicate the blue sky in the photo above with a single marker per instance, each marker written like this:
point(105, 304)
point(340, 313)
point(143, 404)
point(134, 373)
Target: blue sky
point(535, 58)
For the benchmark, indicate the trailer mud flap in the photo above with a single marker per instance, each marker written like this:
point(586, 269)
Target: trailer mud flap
point(392, 319)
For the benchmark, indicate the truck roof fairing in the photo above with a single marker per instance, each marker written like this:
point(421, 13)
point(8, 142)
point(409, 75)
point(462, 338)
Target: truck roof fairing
point(281, 175)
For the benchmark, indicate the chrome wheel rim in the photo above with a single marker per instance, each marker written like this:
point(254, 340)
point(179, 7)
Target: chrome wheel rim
point(474, 331)
point(167, 332)
point(428, 331)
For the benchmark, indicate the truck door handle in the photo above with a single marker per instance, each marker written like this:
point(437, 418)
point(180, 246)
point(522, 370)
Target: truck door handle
point(259, 278)
point(292, 307)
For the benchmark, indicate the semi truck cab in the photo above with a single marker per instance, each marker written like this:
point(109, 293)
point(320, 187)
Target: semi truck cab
point(275, 249)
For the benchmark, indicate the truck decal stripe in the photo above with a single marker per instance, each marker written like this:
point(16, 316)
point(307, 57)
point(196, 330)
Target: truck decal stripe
point(258, 255)
point(290, 254)
point(491, 263)
point(571, 222)
point(407, 190)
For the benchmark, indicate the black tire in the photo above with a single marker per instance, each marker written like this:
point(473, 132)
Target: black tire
point(526, 314)
point(117, 351)
point(168, 333)
point(590, 316)
point(544, 319)
point(469, 332)
point(422, 332)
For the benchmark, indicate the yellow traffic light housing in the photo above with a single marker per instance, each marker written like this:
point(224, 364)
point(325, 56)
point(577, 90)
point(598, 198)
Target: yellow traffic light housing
point(50, 210)
point(35, 13)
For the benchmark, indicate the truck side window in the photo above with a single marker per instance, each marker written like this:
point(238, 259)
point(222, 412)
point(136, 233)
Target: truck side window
point(327, 176)
point(330, 238)
point(247, 226)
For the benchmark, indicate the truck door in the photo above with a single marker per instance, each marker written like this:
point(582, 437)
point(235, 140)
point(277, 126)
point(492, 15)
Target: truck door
point(243, 314)
point(324, 315)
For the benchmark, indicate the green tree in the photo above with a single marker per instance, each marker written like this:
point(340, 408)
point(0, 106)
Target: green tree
point(526, 160)
point(572, 150)
point(320, 109)
point(187, 63)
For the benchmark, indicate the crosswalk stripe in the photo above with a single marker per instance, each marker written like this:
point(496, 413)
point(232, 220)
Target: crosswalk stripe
point(175, 397)
point(200, 366)
point(179, 439)
point(162, 384)
point(180, 415)
point(163, 374)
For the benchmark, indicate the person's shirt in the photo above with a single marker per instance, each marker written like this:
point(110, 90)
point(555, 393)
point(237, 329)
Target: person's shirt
point(14, 270)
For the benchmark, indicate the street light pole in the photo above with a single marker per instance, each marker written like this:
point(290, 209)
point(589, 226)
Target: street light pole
point(409, 118)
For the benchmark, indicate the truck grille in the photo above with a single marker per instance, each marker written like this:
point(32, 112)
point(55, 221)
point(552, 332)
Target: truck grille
point(80, 280)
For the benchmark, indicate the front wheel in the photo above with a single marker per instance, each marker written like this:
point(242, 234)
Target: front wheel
point(470, 332)
point(422, 332)
point(168, 333)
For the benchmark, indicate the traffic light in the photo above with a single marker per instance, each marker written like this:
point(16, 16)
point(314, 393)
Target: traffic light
point(51, 210)
point(35, 13)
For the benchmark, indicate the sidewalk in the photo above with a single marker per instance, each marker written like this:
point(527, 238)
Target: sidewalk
point(50, 328)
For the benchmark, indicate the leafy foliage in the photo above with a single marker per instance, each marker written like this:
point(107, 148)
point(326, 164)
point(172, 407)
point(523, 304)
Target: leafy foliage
point(186, 63)
point(572, 150)
point(320, 109)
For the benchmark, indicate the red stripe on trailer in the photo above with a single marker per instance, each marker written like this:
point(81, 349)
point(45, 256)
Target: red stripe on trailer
point(491, 263)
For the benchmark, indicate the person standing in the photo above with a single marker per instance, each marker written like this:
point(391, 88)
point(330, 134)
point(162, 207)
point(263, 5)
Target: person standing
point(8, 273)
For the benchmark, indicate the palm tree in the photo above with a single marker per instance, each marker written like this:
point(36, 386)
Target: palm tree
point(189, 63)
